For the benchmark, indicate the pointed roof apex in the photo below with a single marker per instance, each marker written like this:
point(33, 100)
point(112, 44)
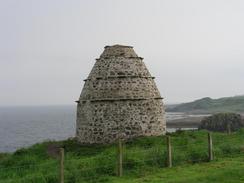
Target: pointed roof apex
point(118, 45)
point(118, 51)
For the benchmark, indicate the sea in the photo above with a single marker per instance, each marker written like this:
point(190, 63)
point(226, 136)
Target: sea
point(25, 126)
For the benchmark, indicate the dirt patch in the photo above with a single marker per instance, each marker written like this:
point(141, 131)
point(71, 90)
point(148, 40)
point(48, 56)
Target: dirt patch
point(53, 150)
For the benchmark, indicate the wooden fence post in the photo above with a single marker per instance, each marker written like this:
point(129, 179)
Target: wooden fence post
point(210, 147)
point(169, 152)
point(61, 165)
point(120, 158)
point(228, 129)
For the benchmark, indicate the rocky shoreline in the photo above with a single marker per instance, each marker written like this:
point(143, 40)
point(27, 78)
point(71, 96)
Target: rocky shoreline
point(187, 122)
point(190, 122)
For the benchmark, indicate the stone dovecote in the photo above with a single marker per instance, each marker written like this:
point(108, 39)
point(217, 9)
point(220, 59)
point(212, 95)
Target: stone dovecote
point(119, 99)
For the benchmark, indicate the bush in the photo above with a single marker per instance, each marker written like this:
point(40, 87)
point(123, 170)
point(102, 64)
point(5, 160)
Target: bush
point(221, 122)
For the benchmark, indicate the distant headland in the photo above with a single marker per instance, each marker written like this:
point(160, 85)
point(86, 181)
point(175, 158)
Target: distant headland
point(208, 105)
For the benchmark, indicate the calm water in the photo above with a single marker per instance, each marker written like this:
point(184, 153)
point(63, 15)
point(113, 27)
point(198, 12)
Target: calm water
point(24, 126)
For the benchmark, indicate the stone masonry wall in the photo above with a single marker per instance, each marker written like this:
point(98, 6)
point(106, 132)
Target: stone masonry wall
point(119, 99)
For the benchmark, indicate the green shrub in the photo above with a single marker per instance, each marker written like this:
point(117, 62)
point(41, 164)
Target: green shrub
point(221, 122)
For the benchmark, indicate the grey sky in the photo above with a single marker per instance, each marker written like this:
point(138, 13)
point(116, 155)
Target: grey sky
point(195, 48)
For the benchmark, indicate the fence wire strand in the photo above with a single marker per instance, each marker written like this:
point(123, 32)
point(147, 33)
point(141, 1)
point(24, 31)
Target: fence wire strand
point(148, 156)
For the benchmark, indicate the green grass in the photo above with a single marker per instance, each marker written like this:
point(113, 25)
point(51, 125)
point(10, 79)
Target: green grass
point(144, 161)
point(227, 170)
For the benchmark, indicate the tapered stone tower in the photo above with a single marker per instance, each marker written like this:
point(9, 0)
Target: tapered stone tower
point(119, 99)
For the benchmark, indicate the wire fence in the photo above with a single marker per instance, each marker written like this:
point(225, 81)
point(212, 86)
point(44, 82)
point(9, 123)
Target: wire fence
point(123, 160)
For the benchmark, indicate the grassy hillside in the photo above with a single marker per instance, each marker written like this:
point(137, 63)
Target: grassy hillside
point(226, 170)
point(208, 105)
point(144, 161)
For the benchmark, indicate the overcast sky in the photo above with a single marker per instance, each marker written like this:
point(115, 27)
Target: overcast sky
point(194, 48)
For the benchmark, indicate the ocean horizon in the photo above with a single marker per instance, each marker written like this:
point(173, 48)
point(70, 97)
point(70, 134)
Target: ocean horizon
point(23, 126)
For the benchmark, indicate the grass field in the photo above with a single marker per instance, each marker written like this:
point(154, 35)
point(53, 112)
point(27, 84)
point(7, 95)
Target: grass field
point(224, 170)
point(144, 160)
